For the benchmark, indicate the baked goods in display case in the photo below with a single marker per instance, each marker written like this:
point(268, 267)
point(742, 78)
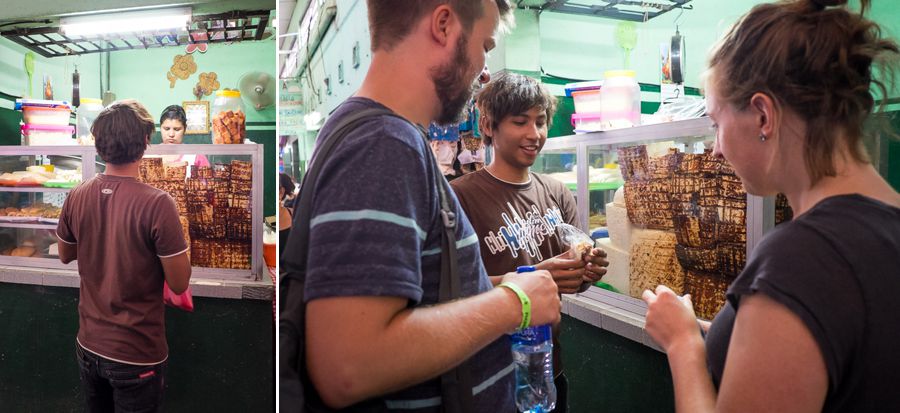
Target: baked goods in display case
point(214, 203)
point(38, 243)
point(688, 213)
point(38, 211)
point(229, 127)
point(41, 175)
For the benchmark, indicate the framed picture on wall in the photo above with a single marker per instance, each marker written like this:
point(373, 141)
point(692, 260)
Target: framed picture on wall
point(197, 112)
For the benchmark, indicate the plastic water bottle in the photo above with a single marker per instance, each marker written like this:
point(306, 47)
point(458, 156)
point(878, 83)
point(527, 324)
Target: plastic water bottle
point(532, 350)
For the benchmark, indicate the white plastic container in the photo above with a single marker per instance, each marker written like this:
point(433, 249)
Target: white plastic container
point(228, 120)
point(37, 115)
point(620, 103)
point(84, 118)
point(587, 122)
point(587, 101)
point(40, 135)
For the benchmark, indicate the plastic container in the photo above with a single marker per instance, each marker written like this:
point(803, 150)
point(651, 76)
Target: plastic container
point(579, 86)
point(21, 103)
point(587, 122)
point(228, 119)
point(84, 118)
point(587, 101)
point(39, 135)
point(532, 350)
point(620, 103)
point(601, 232)
point(38, 115)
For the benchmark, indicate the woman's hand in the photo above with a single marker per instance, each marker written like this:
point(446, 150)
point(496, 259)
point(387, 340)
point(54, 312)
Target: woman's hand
point(670, 319)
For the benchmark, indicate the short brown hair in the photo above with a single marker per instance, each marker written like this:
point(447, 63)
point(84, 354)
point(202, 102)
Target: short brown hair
point(510, 94)
point(391, 20)
point(813, 59)
point(122, 132)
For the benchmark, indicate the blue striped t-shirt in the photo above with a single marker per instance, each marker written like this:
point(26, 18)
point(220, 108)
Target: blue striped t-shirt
point(376, 231)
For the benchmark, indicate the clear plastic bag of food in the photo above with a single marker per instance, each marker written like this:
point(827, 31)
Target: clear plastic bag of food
point(575, 239)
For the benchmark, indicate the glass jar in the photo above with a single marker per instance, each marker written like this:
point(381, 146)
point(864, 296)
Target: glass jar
point(228, 120)
point(620, 99)
point(84, 118)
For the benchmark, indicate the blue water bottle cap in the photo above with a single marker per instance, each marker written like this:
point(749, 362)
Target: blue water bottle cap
point(526, 268)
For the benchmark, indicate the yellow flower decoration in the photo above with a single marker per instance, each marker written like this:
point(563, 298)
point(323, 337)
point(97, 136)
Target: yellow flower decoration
point(208, 83)
point(182, 67)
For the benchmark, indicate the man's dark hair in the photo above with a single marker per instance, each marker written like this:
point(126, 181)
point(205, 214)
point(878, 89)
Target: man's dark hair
point(391, 20)
point(122, 132)
point(510, 94)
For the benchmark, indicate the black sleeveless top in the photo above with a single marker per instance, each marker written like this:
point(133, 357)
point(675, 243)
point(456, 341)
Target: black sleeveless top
point(838, 268)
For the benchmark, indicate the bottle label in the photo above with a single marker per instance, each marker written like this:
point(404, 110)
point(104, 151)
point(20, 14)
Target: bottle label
point(532, 335)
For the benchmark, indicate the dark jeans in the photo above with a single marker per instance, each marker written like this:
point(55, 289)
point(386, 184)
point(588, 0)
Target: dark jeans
point(110, 386)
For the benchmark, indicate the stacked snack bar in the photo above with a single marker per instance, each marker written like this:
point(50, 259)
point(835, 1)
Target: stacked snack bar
point(215, 204)
point(697, 205)
point(220, 215)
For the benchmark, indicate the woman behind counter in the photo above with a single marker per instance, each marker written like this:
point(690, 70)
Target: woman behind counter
point(171, 128)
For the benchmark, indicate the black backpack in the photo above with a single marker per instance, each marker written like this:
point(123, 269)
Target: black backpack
point(296, 393)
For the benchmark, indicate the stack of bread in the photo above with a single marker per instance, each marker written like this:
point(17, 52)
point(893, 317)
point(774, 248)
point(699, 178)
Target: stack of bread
point(214, 204)
point(618, 245)
point(220, 215)
point(689, 214)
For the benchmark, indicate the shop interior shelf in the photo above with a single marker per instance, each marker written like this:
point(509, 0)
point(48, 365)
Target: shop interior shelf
point(31, 225)
point(32, 189)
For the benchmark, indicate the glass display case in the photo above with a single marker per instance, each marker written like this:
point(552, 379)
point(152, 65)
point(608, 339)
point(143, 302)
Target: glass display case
point(217, 188)
point(34, 182)
point(674, 213)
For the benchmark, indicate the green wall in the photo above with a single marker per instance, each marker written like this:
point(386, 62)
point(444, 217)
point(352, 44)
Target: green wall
point(141, 74)
point(583, 47)
point(221, 355)
point(609, 373)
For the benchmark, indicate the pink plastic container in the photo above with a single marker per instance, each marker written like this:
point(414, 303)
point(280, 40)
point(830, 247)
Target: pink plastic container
point(587, 122)
point(40, 135)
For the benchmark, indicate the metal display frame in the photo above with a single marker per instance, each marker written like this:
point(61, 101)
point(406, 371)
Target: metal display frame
point(89, 169)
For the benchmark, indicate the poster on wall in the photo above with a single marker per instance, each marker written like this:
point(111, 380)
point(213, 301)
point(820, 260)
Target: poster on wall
point(197, 116)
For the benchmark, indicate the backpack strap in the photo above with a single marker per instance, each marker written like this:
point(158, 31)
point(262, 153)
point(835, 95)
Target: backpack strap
point(295, 386)
point(456, 388)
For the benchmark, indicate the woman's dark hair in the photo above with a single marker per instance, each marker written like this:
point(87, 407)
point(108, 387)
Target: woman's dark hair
point(122, 132)
point(814, 59)
point(174, 112)
point(286, 183)
point(510, 94)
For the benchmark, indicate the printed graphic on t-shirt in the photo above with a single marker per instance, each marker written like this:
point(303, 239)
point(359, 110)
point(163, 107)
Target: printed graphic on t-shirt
point(524, 234)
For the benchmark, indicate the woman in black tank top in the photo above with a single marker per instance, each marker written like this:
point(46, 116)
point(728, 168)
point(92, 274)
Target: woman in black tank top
point(811, 323)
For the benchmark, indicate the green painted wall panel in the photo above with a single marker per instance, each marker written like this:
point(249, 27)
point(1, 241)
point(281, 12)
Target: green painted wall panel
point(893, 148)
point(221, 356)
point(609, 373)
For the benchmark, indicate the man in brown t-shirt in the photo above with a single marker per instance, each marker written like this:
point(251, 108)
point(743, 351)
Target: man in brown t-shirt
point(127, 239)
point(515, 212)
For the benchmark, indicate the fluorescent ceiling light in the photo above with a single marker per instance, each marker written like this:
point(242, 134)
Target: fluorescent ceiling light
point(128, 21)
